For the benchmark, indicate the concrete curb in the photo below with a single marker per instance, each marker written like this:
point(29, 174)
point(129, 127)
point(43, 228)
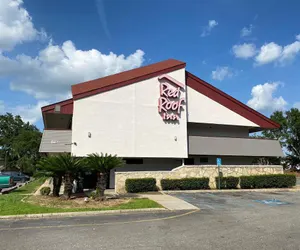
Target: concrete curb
point(87, 213)
point(233, 190)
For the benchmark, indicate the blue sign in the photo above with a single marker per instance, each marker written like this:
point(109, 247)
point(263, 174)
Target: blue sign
point(219, 161)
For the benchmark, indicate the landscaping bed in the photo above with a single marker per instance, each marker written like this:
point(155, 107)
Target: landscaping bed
point(80, 203)
point(21, 201)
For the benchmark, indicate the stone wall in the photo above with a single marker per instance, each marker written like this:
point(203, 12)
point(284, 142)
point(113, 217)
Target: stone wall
point(196, 171)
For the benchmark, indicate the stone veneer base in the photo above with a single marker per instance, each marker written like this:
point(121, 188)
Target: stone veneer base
point(196, 171)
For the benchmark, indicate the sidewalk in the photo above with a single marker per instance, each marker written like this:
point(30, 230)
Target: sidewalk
point(169, 202)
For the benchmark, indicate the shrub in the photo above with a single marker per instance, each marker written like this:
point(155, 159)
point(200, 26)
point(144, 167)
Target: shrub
point(140, 185)
point(268, 181)
point(93, 195)
point(45, 190)
point(229, 182)
point(185, 184)
point(247, 182)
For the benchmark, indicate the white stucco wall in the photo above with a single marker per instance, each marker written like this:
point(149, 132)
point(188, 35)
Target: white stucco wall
point(202, 109)
point(126, 122)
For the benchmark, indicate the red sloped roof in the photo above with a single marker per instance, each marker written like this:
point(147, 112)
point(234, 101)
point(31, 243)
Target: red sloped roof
point(107, 83)
point(229, 102)
point(66, 107)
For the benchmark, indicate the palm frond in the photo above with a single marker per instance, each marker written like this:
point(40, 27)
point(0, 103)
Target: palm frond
point(102, 162)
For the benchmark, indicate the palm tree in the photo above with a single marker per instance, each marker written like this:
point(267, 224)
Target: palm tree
point(62, 165)
point(48, 166)
point(102, 164)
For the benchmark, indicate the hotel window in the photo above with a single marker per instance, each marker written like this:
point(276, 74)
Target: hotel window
point(135, 161)
point(203, 160)
point(189, 161)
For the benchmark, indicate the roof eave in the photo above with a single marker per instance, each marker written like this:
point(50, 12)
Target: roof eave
point(78, 94)
point(231, 103)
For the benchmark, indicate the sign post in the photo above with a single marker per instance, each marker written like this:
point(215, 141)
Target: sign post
point(219, 163)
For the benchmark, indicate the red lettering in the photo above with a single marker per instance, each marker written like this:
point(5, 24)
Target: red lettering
point(180, 104)
point(167, 91)
point(172, 117)
point(167, 102)
point(175, 105)
point(161, 102)
point(169, 105)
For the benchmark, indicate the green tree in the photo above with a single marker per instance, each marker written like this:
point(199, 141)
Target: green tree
point(102, 164)
point(288, 134)
point(49, 166)
point(19, 143)
point(61, 166)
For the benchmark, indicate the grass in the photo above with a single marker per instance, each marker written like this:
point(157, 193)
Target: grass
point(30, 187)
point(12, 204)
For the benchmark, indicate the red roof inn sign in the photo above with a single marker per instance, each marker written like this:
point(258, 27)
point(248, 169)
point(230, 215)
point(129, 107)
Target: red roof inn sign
point(169, 102)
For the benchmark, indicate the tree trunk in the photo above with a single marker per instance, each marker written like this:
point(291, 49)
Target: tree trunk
point(68, 185)
point(101, 185)
point(79, 184)
point(57, 180)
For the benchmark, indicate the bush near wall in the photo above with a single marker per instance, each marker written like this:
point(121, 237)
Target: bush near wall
point(229, 182)
point(140, 185)
point(45, 190)
point(185, 184)
point(268, 181)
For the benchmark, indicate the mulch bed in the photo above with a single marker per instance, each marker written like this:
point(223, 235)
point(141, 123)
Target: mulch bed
point(74, 202)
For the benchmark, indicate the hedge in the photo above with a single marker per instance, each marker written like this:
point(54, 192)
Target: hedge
point(185, 184)
point(268, 181)
point(229, 182)
point(140, 185)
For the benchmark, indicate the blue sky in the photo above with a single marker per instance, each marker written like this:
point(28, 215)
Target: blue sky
point(249, 49)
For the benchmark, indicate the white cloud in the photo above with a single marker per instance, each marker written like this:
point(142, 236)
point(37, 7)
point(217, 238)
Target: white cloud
point(273, 52)
point(221, 73)
point(244, 51)
point(263, 99)
point(16, 25)
point(247, 31)
point(268, 53)
point(296, 105)
point(102, 16)
point(50, 74)
point(289, 52)
point(207, 29)
point(212, 23)
point(29, 113)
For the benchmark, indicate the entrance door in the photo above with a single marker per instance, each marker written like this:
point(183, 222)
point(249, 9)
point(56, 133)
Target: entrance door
point(112, 178)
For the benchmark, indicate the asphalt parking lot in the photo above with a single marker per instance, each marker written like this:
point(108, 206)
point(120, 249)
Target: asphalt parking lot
point(240, 200)
point(226, 221)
